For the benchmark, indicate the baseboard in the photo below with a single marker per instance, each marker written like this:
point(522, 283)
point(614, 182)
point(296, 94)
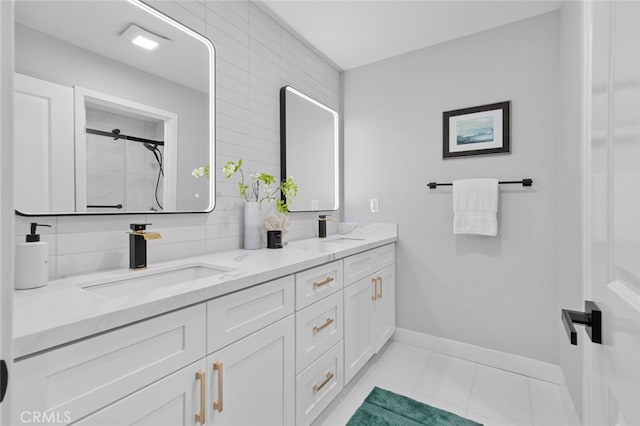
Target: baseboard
point(515, 363)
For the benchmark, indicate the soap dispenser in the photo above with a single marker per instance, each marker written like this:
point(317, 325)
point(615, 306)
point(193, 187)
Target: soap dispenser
point(32, 261)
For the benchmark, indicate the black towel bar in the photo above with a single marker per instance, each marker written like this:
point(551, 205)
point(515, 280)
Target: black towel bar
point(523, 182)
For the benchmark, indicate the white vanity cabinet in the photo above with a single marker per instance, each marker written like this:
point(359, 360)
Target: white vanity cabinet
point(78, 379)
point(369, 306)
point(274, 353)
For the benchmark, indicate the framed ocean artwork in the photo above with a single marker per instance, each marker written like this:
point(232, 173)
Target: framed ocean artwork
point(478, 130)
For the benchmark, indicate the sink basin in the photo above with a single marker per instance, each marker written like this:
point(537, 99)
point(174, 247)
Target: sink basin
point(152, 280)
point(345, 238)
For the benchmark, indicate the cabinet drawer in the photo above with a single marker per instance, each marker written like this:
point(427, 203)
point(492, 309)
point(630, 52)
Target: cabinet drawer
point(318, 328)
point(172, 401)
point(318, 385)
point(361, 265)
point(83, 377)
point(319, 282)
point(231, 317)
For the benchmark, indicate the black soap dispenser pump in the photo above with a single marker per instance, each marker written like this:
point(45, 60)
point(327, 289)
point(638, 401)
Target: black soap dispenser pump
point(322, 226)
point(32, 261)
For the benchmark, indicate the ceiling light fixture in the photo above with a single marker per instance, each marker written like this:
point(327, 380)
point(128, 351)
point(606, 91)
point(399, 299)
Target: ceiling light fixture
point(143, 38)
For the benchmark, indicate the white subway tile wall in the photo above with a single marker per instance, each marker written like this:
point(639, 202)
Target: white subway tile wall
point(255, 56)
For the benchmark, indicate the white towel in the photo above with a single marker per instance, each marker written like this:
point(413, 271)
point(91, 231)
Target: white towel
point(475, 206)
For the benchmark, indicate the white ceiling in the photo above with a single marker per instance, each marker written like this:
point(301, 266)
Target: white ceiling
point(352, 33)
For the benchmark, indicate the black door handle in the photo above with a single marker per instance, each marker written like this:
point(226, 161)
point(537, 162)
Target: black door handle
point(4, 379)
point(591, 318)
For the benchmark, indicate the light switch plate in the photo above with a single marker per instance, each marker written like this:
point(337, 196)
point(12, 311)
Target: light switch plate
point(374, 205)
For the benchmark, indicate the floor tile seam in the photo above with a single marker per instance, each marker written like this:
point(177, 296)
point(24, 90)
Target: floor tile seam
point(530, 401)
point(473, 383)
point(424, 368)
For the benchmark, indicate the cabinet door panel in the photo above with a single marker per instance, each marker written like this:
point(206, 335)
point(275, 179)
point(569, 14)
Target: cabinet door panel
point(385, 307)
point(358, 326)
point(172, 401)
point(258, 379)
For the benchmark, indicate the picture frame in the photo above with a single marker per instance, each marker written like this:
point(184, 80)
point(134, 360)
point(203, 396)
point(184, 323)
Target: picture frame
point(478, 130)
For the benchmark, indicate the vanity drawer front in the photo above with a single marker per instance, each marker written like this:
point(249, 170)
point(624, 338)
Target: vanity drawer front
point(82, 377)
point(318, 328)
point(318, 385)
point(364, 264)
point(319, 282)
point(234, 316)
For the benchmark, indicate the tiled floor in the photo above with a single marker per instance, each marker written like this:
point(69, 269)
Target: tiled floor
point(487, 395)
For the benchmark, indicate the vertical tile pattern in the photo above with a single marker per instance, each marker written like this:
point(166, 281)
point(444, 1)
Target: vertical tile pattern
point(255, 56)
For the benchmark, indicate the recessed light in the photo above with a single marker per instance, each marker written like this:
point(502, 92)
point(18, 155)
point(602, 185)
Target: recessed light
point(143, 38)
point(144, 42)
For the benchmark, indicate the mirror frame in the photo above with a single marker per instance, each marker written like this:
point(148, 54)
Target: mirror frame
point(283, 143)
point(212, 124)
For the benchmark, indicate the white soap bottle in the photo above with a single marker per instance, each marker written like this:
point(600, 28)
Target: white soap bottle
point(32, 261)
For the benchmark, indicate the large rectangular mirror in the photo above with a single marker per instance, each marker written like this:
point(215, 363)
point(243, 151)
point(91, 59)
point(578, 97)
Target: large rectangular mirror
point(114, 107)
point(309, 150)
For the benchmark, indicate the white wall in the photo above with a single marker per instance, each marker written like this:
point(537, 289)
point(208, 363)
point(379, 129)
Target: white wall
point(500, 292)
point(255, 56)
point(569, 187)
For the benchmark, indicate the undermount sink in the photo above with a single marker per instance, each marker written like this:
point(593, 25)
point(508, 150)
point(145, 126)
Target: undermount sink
point(345, 238)
point(152, 280)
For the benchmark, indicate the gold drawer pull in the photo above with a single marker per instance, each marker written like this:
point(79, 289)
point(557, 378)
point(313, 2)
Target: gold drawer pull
point(374, 281)
point(323, 282)
point(201, 375)
point(316, 388)
point(317, 329)
point(380, 293)
point(217, 405)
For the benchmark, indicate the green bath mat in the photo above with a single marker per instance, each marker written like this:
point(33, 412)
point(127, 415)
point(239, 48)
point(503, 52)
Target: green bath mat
point(384, 408)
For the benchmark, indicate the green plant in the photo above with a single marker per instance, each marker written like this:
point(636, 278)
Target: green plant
point(259, 187)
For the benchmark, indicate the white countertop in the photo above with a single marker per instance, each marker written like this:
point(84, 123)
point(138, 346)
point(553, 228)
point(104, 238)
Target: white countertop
point(64, 311)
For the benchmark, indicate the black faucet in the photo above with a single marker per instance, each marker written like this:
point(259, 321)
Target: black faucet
point(138, 244)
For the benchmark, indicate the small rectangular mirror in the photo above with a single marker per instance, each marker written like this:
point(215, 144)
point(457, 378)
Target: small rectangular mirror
point(114, 108)
point(309, 150)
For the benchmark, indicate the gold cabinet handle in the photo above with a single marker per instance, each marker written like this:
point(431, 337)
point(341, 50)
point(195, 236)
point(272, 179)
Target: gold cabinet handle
point(317, 387)
point(201, 376)
point(323, 282)
point(374, 281)
point(317, 329)
point(380, 292)
point(217, 405)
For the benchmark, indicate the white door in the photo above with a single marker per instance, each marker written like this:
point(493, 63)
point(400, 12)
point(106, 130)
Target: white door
point(44, 146)
point(6, 194)
point(175, 400)
point(358, 326)
point(612, 180)
point(385, 306)
point(252, 381)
